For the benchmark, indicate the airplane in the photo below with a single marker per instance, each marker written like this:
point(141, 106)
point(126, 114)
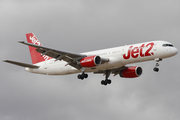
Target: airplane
point(50, 61)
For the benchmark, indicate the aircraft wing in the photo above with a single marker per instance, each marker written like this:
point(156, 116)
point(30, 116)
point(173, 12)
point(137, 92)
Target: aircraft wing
point(52, 52)
point(21, 64)
point(71, 58)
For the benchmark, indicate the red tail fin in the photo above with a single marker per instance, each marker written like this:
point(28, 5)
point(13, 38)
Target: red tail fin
point(35, 56)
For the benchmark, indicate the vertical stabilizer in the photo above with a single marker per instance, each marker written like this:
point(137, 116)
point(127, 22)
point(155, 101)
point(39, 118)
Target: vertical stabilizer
point(35, 56)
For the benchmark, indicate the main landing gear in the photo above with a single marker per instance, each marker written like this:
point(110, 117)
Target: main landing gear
point(106, 81)
point(103, 82)
point(156, 69)
point(82, 76)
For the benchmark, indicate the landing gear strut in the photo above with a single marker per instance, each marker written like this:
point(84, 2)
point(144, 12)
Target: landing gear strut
point(156, 69)
point(82, 76)
point(106, 81)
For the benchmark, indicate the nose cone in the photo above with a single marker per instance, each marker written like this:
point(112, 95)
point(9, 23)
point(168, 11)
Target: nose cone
point(174, 51)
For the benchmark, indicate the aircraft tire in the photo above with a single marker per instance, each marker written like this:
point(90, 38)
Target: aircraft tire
point(156, 69)
point(79, 76)
point(109, 81)
point(85, 75)
point(103, 82)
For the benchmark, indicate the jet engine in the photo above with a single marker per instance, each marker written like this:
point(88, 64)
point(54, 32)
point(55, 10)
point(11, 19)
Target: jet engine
point(131, 72)
point(90, 61)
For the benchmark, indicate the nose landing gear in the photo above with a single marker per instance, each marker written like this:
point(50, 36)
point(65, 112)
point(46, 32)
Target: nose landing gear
point(156, 69)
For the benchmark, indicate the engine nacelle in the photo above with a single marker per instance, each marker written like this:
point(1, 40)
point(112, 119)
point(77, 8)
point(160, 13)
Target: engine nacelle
point(131, 72)
point(90, 61)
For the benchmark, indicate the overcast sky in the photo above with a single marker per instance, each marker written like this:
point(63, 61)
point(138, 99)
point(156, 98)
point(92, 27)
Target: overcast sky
point(79, 26)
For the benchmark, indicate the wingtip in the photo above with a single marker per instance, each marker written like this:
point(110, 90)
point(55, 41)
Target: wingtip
point(6, 60)
point(21, 41)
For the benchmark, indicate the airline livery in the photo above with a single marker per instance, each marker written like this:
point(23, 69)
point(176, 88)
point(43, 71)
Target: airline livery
point(107, 61)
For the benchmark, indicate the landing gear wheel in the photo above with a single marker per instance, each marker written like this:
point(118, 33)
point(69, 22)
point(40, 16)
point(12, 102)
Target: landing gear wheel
point(105, 82)
point(109, 81)
point(102, 82)
point(85, 75)
point(79, 76)
point(156, 69)
point(82, 76)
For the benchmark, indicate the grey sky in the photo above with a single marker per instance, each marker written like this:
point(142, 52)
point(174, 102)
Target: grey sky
point(80, 26)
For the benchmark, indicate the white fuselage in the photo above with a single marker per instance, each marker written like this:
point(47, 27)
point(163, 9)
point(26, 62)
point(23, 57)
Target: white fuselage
point(118, 57)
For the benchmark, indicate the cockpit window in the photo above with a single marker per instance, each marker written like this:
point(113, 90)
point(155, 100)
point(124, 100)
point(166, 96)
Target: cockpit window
point(165, 45)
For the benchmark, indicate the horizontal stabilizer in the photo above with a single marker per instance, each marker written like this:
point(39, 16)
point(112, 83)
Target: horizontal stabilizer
point(21, 64)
